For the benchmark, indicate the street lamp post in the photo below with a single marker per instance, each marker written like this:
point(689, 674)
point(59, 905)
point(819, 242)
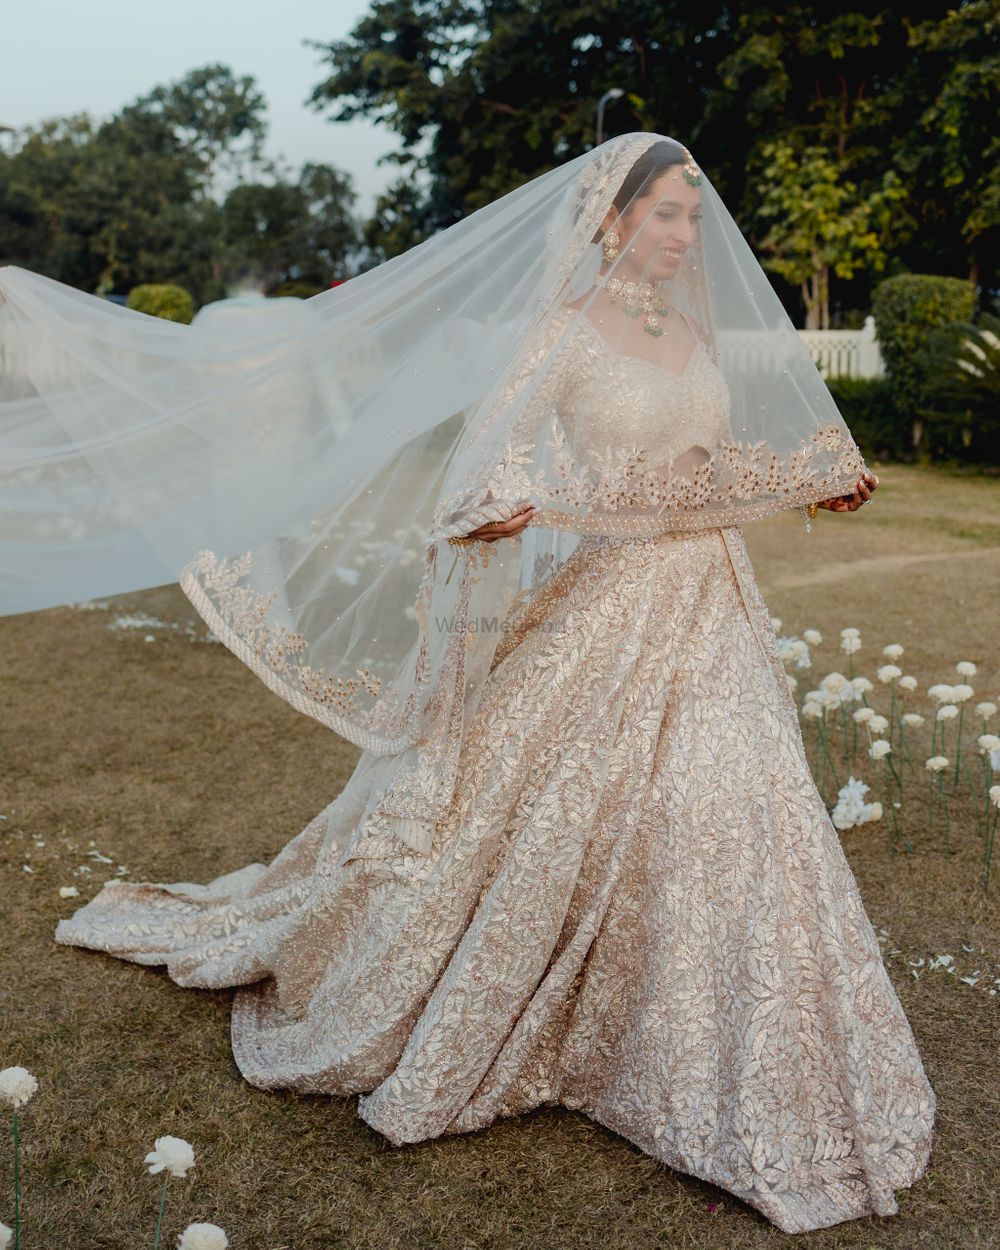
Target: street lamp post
point(615, 93)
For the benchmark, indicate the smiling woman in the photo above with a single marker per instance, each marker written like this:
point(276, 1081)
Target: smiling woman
point(581, 859)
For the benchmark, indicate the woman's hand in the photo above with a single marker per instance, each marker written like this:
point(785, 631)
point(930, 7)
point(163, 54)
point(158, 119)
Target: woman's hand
point(867, 485)
point(493, 530)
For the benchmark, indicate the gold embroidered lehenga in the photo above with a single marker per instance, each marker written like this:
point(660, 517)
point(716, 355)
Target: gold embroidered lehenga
point(638, 906)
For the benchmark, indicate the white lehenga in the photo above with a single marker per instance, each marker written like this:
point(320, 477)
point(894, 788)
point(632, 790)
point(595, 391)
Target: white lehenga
point(638, 906)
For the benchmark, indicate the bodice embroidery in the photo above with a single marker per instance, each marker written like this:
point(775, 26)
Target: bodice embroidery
point(613, 400)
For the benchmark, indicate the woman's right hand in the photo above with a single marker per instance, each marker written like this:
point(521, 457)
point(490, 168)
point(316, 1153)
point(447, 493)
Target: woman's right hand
point(493, 530)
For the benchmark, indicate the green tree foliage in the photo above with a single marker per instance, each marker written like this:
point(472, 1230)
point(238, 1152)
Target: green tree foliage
point(817, 221)
point(284, 231)
point(485, 94)
point(136, 199)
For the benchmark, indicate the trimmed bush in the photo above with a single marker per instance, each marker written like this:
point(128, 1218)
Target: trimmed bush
point(162, 299)
point(907, 308)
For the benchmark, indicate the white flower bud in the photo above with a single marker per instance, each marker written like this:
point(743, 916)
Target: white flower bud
point(17, 1085)
point(203, 1237)
point(172, 1153)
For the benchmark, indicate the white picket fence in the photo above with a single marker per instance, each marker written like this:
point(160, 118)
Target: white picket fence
point(845, 353)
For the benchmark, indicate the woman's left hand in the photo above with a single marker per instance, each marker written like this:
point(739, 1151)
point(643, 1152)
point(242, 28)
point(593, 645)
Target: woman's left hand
point(867, 485)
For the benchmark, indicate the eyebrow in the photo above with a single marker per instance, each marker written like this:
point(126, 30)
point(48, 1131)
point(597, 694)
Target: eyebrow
point(673, 204)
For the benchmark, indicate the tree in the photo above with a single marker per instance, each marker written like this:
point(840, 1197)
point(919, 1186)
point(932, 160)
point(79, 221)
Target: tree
point(486, 94)
point(817, 221)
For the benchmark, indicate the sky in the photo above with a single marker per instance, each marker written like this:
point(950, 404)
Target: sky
point(59, 57)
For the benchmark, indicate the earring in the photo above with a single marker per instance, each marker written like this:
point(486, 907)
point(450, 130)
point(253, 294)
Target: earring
point(612, 242)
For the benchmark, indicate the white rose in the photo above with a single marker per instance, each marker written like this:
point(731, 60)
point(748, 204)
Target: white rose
point(203, 1237)
point(878, 724)
point(17, 1085)
point(887, 672)
point(988, 742)
point(850, 646)
point(172, 1153)
point(961, 693)
point(948, 712)
point(812, 709)
point(907, 683)
point(863, 714)
point(912, 718)
point(966, 668)
point(893, 651)
point(940, 693)
point(995, 795)
point(936, 763)
point(850, 632)
point(833, 682)
point(862, 685)
point(813, 637)
point(879, 748)
point(986, 710)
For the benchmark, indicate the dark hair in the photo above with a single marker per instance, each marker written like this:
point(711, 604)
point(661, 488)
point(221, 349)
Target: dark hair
point(656, 159)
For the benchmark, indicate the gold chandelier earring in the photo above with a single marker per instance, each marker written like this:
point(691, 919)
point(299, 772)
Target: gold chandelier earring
point(612, 242)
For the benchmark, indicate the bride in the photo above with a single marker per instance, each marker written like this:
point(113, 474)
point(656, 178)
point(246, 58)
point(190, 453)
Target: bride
point(581, 860)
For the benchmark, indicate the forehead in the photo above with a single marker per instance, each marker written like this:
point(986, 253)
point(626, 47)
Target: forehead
point(671, 187)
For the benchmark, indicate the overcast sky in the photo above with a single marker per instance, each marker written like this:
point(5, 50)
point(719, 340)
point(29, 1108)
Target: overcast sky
point(68, 56)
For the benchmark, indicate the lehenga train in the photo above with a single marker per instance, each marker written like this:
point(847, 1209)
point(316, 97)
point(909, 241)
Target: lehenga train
point(639, 908)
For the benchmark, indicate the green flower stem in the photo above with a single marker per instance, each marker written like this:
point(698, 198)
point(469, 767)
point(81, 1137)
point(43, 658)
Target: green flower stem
point(892, 709)
point(16, 1133)
point(947, 814)
point(159, 1218)
point(991, 829)
point(958, 748)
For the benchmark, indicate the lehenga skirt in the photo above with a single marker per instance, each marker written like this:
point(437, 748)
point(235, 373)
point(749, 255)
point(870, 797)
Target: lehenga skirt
point(638, 907)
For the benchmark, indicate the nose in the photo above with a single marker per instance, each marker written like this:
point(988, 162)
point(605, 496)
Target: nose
point(683, 234)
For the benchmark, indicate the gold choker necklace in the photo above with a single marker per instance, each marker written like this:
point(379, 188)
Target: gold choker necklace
point(637, 298)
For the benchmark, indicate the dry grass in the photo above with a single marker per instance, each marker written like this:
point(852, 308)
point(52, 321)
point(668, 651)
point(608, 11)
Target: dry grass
point(176, 761)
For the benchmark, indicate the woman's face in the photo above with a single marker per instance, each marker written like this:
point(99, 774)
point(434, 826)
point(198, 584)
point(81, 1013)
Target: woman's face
point(659, 226)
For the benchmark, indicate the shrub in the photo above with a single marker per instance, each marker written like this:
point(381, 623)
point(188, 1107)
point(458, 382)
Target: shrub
point(906, 309)
point(162, 299)
point(868, 407)
point(301, 290)
point(961, 400)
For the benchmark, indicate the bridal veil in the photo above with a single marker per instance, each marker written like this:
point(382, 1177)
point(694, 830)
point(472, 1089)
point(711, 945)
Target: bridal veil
point(300, 481)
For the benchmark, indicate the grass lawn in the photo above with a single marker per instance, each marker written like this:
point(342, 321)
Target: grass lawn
point(169, 757)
